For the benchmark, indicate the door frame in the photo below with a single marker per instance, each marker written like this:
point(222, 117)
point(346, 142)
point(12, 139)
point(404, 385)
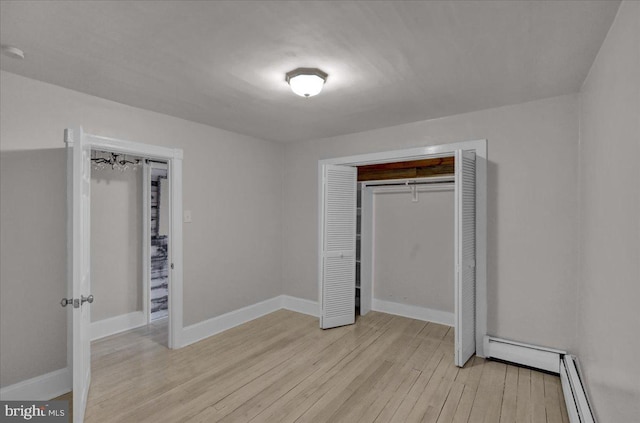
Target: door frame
point(173, 157)
point(480, 148)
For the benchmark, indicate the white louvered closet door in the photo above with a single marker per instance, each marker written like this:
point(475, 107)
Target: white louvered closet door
point(339, 246)
point(465, 256)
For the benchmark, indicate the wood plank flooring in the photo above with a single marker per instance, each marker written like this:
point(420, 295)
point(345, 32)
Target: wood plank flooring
point(283, 368)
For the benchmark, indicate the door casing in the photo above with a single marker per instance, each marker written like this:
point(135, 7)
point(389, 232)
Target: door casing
point(173, 157)
point(480, 148)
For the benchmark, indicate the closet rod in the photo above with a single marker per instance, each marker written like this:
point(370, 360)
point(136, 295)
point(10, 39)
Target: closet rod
point(154, 161)
point(409, 182)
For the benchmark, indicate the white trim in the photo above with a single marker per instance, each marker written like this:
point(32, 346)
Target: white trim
point(215, 325)
point(442, 150)
point(39, 388)
point(569, 398)
point(575, 396)
point(148, 151)
point(525, 354)
point(117, 324)
point(301, 305)
point(174, 157)
point(480, 148)
point(413, 312)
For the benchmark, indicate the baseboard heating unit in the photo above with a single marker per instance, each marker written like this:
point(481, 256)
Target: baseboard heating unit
point(524, 354)
point(550, 360)
point(575, 395)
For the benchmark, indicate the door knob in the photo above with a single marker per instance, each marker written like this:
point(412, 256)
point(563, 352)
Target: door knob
point(88, 299)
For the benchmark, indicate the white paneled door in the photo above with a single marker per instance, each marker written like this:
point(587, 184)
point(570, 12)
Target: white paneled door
point(79, 269)
point(339, 246)
point(465, 256)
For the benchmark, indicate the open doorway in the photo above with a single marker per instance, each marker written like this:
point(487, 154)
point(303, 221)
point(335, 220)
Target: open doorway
point(79, 234)
point(130, 244)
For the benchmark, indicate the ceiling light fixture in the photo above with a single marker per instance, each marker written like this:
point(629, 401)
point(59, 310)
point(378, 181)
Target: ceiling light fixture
point(306, 82)
point(13, 52)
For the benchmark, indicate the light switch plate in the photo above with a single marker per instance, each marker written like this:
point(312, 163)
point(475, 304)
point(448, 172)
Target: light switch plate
point(187, 216)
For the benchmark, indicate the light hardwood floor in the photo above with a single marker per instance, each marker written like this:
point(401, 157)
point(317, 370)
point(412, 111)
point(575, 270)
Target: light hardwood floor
point(283, 368)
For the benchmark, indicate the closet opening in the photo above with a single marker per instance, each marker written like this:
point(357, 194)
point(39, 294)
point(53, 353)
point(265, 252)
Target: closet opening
point(404, 243)
point(453, 173)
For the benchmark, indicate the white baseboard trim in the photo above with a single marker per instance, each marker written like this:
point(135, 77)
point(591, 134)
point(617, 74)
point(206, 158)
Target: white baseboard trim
point(301, 305)
point(525, 354)
point(213, 326)
point(39, 388)
point(575, 396)
point(117, 324)
point(413, 312)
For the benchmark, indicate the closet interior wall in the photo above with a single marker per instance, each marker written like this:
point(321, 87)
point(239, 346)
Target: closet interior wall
point(413, 248)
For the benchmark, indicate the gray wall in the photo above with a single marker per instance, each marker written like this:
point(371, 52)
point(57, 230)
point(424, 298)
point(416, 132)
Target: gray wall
point(232, 185)
point(609, 288)
point(33, 325)
point(532, 203)
point(116, 242)
point(413, 249)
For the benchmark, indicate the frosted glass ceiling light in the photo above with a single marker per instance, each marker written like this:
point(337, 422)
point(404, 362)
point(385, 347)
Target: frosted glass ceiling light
point(306, 82)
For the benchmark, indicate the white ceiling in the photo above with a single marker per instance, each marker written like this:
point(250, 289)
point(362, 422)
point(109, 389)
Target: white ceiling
point(389, 62)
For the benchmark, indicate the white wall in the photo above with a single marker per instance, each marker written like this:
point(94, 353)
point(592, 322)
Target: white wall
point(532, 203)
point(609, 288)
point(232, 185)
point(413, 249)
point(116, 242)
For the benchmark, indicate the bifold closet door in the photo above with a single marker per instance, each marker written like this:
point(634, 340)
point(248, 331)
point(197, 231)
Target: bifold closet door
point(465, 256)
point(339, 246)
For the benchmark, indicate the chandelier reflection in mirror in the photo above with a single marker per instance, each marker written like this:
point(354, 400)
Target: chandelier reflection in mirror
point(101, 160)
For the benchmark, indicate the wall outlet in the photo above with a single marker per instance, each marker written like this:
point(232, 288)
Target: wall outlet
point(187, 216)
